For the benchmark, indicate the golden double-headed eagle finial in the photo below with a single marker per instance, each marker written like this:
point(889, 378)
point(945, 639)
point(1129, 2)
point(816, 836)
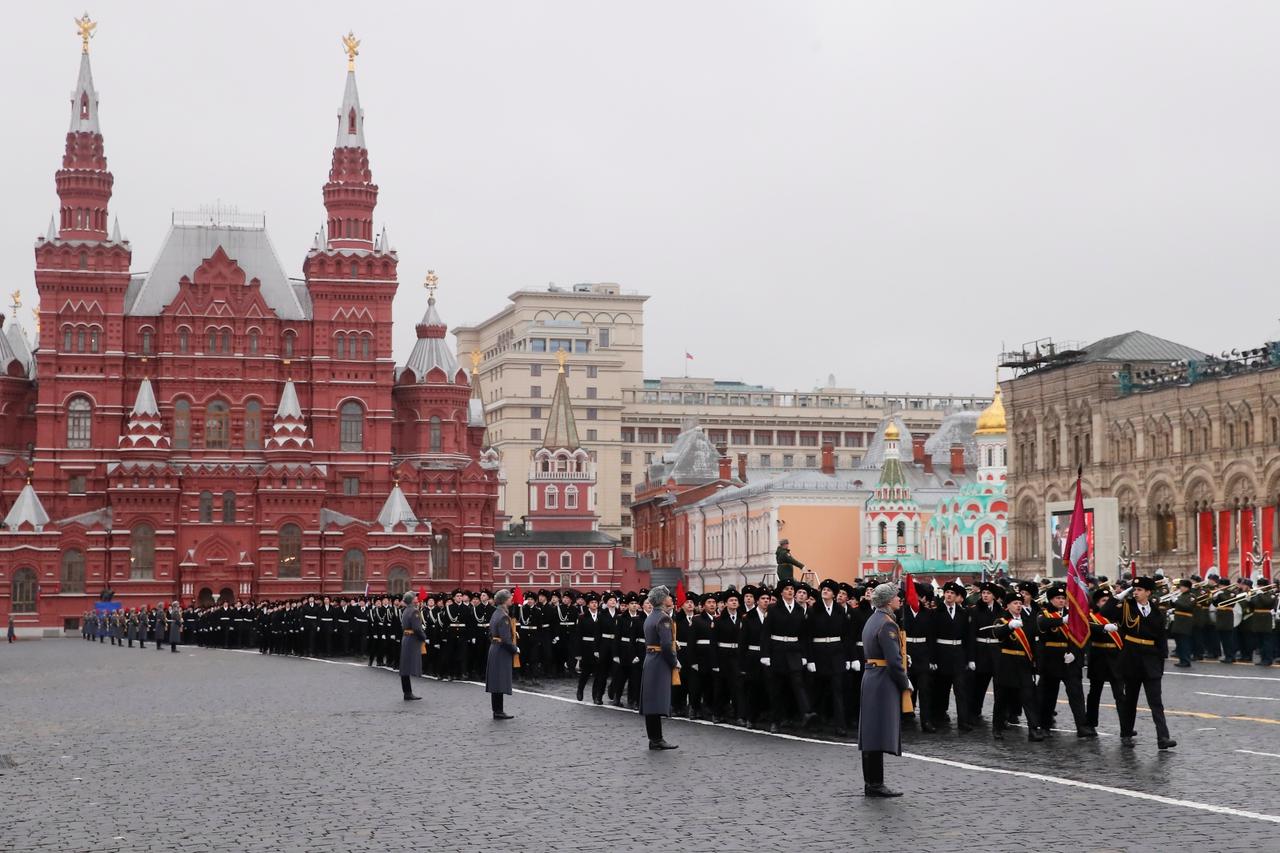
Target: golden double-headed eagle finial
point(475, 360)
point(562, 356)
point(86, 28)
point(431, 282)
point(17, 302)
point(352, 45)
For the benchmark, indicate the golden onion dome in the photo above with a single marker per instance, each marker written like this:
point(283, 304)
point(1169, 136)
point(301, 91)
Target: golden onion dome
point(891, 432)
point(991, 421)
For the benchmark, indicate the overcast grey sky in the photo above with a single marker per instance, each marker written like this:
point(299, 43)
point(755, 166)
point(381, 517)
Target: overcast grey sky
point(887, 192)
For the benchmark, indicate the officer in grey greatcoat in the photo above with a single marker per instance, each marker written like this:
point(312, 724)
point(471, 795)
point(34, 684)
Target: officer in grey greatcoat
point(175, 626)
point(411, 640)
point(659, 662)
point(884, 679)
point(502, 654)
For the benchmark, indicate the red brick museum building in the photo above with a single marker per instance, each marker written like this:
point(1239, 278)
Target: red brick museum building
point(215, 428)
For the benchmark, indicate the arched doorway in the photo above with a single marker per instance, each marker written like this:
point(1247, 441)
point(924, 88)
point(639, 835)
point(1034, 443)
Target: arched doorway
point(227, 594)
point(205, 598)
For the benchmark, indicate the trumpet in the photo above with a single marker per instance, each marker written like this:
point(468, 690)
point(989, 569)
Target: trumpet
point(1245, 597)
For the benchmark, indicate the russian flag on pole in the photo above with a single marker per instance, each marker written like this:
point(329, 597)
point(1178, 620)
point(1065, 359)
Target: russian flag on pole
point(1077, 625)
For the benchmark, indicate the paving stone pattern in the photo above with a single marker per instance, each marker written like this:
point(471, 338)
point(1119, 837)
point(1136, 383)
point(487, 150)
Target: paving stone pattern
point(108, 749)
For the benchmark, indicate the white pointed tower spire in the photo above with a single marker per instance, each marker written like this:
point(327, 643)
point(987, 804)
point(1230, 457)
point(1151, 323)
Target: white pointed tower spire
point(27, 509)
point(145, 429)
point(289, 428)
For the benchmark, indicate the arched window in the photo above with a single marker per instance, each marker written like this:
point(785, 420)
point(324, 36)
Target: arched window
point(353, 570)
point(289, 562)
point(213, 341)
point(571, 497)
point(146, 342)
point(902, 534)
point(79, 423)
point(287, 348)
point(181, 425)
point(93, 339)
point(228, 507)
point(80, 333)
point(589, 561)
point(184, 340)
point(497, 560)
point(351, 426)
point(351, 120)
point(364, 347)
point(206, 507)
point(434, 436)
point(226, 340)
point(66, 338)
point(84, 106)
point(566, 561)
point(253, 425)
point(253, 342)
point(340, 345)
point(24, 591)
point(398, 581)
point(142, 552)
point(440, 555)
point(542, 561)
point(72, 571)
point(551, 497)
point(216, 425)
point(884, 533)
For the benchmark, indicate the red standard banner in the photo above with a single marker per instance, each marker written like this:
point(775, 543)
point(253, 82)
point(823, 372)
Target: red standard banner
point(1206, 540)
point(1077, 625)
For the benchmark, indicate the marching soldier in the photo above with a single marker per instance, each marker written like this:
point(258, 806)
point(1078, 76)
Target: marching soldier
point(175, 626)
point(160, 625)
point(918, 626)
point(984, 646)
point(1224, 620)
point(1104, 658)
point(1260, 623)
point(1060, 663)
point(729, 683)
point(704, 658)
point(1015, 673)
point(1141, 624)
point(830, 654)
point(590, 627)
point(953, 658)
point(784, 654)
point(755, 674)
point(684, 695)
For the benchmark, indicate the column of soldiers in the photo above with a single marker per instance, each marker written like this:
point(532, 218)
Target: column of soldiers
point(160, 624)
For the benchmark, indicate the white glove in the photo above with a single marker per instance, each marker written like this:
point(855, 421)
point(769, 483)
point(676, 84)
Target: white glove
point(616, 660)
point(848, 665)
point(635, 660)
point(1120, 596)
point(1110, 627)
point(857, 666)
point(1015, 623)
point(764, 661)
point(812, 667)
point(804, 661)
point(595, 654)
point(1068, 658)
point(933, 667)
point(972, 666)
point(1035, 679)
point(555, 640)
point(695, 667)
point(517, 650)
point(910, 687)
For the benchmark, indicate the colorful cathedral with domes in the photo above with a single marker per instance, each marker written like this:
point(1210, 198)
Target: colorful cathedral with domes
point(214, 428)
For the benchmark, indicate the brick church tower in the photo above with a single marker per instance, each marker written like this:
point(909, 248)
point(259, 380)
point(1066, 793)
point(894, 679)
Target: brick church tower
point(215, 429)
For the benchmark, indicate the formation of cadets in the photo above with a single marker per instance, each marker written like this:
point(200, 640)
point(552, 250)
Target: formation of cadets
point(788, 656)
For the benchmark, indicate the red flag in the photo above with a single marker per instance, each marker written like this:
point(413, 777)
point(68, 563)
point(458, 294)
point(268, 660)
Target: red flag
point(680, 594)
point(1266, 567)
point(688, 356)
point(913, 597)
point(422, 593)
point(1077, 550)
point(517, 595)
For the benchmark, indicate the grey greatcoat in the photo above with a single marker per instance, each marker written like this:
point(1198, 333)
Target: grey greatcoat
point(880, 723)
point(411, 639)
point(175, 625)
point(659, 660)
point(502, 652)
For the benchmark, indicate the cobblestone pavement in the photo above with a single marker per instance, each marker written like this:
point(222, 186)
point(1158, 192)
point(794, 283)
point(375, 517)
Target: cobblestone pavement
point(107, 749)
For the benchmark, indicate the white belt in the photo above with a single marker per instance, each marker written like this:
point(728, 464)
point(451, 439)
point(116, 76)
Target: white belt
point(753, 648)
point(859, 643)
point(948, 642)
point(728, 645)
point(916, 639)
point(588, 639)
point(826, 639)
point(704, 642)
point(607, 636)
point(987, 640)
point(777, 639)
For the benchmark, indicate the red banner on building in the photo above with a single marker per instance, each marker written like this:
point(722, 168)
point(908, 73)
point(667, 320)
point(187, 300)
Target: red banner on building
point(1268, 538)
point(1205, 541)
point(1224, 543)
point(1246, 542)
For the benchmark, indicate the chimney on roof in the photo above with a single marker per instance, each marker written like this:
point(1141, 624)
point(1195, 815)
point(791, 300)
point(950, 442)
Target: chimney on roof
point(726, 462)
point(917, 449)
point(957, 458)
point(927, 463)
point(742, 467)
point(828, 458)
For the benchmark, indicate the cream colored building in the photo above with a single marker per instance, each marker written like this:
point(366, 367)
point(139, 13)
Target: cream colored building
point(1188, 444)
point(602, 327)
point(628, 421)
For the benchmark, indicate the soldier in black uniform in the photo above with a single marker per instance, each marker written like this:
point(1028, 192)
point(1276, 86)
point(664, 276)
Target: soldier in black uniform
point(755, 689)
point(730, 704)
point(984, 646)
point(704, 658)
point(683, 695)
point(608, 643)
point(566, 634)
point(830, 654)
point(953, 660)
point(529, 617)
point(1015, 672)
point(859, 611)
point(1060, 663)
point(589, 628)
point(785, 653)
point(1104, 658)
point(918, 625)
point(1141, 626)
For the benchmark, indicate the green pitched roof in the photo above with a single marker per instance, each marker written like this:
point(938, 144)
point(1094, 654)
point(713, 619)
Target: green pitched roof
point(562, 430)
